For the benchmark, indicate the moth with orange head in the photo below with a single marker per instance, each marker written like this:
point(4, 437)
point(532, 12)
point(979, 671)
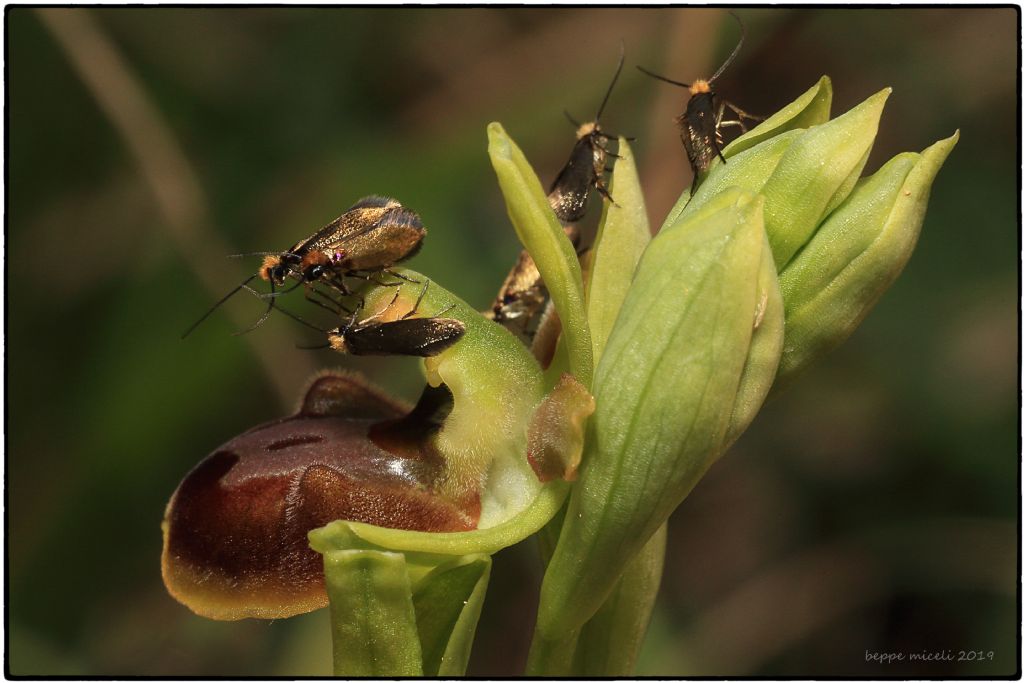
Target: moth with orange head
point(522, 296)
point(701, 124)
point(371, 236)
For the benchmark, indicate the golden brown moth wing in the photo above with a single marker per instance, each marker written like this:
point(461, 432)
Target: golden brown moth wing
point(396, 235)
point(360, 218)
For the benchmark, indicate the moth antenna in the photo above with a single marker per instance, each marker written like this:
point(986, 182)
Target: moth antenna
point(254, 253)
point(735, 50)
point(313, 348)
point(302, 320)
point(262, 318)
point(662, 78)
point(611, 86)
point(216, 305)
point(574, 122)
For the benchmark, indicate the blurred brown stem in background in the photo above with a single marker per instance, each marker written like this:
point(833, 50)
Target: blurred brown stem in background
point(173, 182)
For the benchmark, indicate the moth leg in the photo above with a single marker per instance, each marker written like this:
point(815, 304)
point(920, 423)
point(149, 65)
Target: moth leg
point(716, 142)
point(603, 189)
point(742, 114)
point(423, 293)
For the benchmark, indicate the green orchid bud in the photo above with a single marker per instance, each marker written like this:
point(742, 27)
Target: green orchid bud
point(665, 388)
point(810, 109)
point(748, 170)
point(855, 256)
point(816, 174)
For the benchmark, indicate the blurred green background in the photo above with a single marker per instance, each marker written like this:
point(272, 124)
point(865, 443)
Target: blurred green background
point(873, 507)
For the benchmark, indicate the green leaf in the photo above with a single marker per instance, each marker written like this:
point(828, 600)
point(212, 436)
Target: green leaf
point(622, 236)
point(448, 601)
point(810, 109)
point(373, 624)
point(542, 236)
point(816, 174)
point(665, 389)
point(855, 256)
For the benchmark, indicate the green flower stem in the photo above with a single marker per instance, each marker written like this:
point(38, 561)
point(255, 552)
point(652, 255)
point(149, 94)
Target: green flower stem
point(542, 236)
point(675, 357)
point(373, 624)
point(552, 657)
point(448, 601)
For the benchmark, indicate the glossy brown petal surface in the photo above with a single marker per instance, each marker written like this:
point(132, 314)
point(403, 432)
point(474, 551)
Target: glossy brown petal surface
point(235, 542)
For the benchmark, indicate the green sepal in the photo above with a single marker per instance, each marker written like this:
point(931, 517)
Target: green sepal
point(677, 208)
point(748, 170)
point(765, 349)
point(448, 601)
point(542, 236)
point(855, 256)
point(810, 109)
point(674, 358)
point(816, 174)
point(373, 623)
point(622, 236)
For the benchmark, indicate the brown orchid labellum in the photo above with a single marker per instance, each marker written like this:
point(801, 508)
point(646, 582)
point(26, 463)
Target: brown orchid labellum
point(235, 531)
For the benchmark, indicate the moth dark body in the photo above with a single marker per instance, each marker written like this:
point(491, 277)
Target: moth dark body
point(523, 294)
point(699, 132)
point(374, 234)
point(584, 170)
point(700, 125)
point(406, 337)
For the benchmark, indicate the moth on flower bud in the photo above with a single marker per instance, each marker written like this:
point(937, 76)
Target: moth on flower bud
point(701, 123)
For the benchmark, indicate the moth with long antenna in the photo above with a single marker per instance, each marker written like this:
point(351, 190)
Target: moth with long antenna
point(700, 124)
point(374, 234)
point(406, 336)
point(523, 294)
